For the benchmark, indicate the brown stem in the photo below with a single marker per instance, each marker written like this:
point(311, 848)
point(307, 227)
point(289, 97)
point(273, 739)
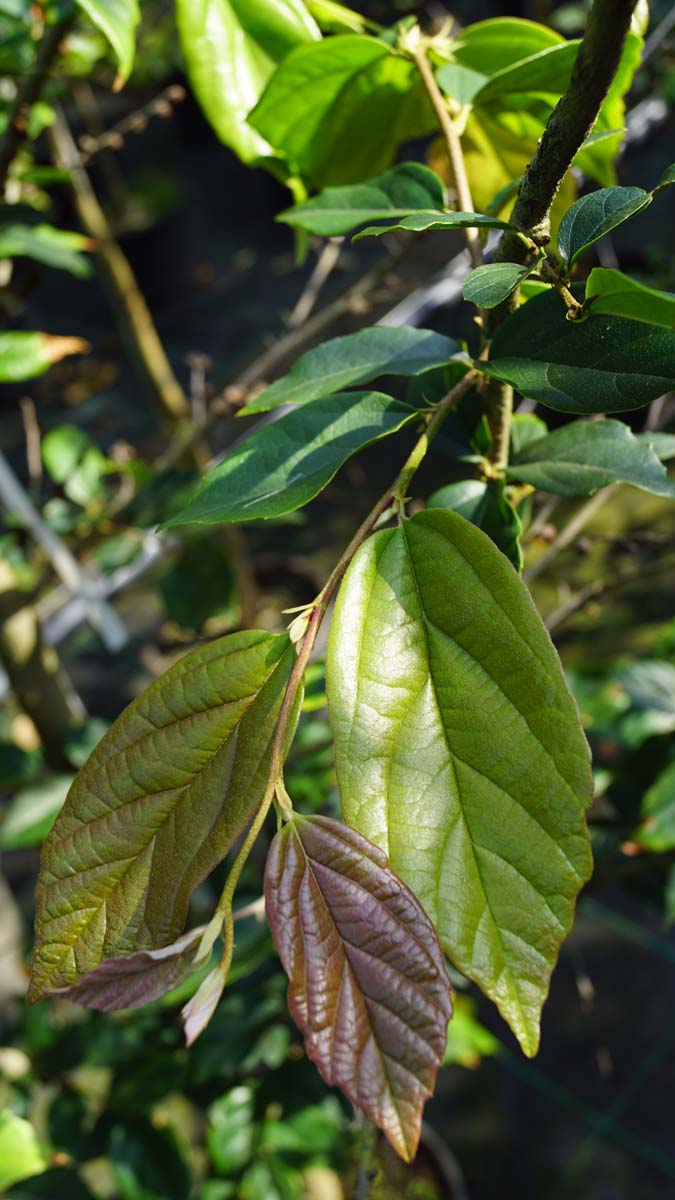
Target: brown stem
point(27, 92)
point(454, 148)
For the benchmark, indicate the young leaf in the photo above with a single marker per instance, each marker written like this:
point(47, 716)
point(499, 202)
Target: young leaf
point(393, 193)
point(486, 505)
point(231, 49)
point(596, 214)
point(609, 291)
point(586, 455)
point(45, 244)
point(657, 831)
point(117, 20)
point(287, 464)
point(487, 286)
point(25, 355)
point(131, 980)
point(460, 751)
point(421, 222)
point(356, 358)
point(602, 364)
point(157, 806)
point(338, 110)
point(367, 981)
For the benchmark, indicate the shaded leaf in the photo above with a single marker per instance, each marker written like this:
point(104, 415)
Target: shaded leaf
point(657, 831)
point(356, 358)
point(367, 981)
point(421, 222)
point(45, 244)
point(339, 109)
point(586, 455)
point(288, 463)
point(486, 505)
point(231, 49)
point(200, 585)
point(231, 1130)
point(147, 1163)
point(157, 806)
point(131, 980)
point(117, 20)
point(602, 364)
point(487, 286)
point(393, 193)
point(60, 1183)
point(25, 355)
point(32, 812)
point(460, 751)
point(460, 83)
point(525, 428)
point(609, 291)
point(667, 178)
point(596, 214)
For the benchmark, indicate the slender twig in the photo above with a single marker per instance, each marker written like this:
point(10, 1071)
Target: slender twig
point(454, 148)
point(570, 531)
point(27, 92)
point(325, 265)
point(31, 430)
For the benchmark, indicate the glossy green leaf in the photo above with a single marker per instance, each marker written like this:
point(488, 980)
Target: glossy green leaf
point(393, 193)
point(230, 1133)
point(421, 222)
point(460, 751)
point(609, 291)
point(486, 505)
point(487, 286)
point(602, 364)
point(287, 464)
point(356, 358)
point(465, 497)
point(460, 83)
point(657, 831)
point(667, 178)
point(32, 811)
point(596, 214)
point(20, 1153)
point(337, 18)
point(547, 71)
point(494, 45)
point(367, 982)
point(231, 49)
point(45, 244)
point(586, 455)
point(117, 20)
point(159, 803)
point(339, 110)
point(25, 355)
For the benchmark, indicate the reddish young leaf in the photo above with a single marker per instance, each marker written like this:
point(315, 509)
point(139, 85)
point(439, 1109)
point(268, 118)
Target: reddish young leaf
point(368, 985)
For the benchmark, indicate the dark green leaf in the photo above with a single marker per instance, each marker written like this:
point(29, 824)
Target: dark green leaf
point(421, 222)
point(367, 981)
point(460, 751)
point(667, 178)
point(200, 585)
point(486, 505)
point(465, 497)
point(595, 215)
point(393, 193)
point(32, 812)
point(61, 1183)
point(232, 48)
point(586, 455)
point(602, 364)
point(487, 286)
point(289, 462)
point(609, 291)
point(117, 20)
point(338, 110)
point(147, 1163)
point(45, 244)
point(25, 355)
point(657, 831)
point(356, 358)
point(174, 781)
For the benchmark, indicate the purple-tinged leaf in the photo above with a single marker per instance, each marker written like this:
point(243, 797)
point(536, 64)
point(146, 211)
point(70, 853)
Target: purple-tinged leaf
point(368, 985)
point(135, 979)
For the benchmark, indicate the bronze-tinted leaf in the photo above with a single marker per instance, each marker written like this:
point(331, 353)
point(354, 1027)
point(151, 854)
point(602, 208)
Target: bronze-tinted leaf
point(157, 806)
point(368, 985)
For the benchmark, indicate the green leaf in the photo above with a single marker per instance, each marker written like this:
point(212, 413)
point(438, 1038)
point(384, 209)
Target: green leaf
point(460, 751)
point(586, 455)
point(547, 71)
point(117, 20)
point(393, 193)
point(174, 781)
point(200, 585)
point(25, 355)
point(32, 812)
point(598, 160)
point(487, 286)
point(45, 244)
point(468, 1040)
point(494, 45)
point(465, 497)
point(460, 83)
point(486, 505)
point(663, 444)
point(667, 178)
point(356, 358)
point(231, 49)
point(602, 364)
point(421, 222)
point(336, 18)
point(525, 428)
point(657, 831)
point(609, 291)
point(231, 1130)
point(61, 449)
point(287, 464)
point(20, 1153)
point(367, 981)
point(596, 214)
point(147, 1163)
point(338, 110)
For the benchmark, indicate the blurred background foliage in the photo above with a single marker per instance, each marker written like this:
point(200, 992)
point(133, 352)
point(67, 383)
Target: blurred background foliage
point(115, 1107)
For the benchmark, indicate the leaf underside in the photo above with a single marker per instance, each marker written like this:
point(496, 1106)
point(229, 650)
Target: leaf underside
point(367, 980)
point(460, 752)
point(157, 806)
